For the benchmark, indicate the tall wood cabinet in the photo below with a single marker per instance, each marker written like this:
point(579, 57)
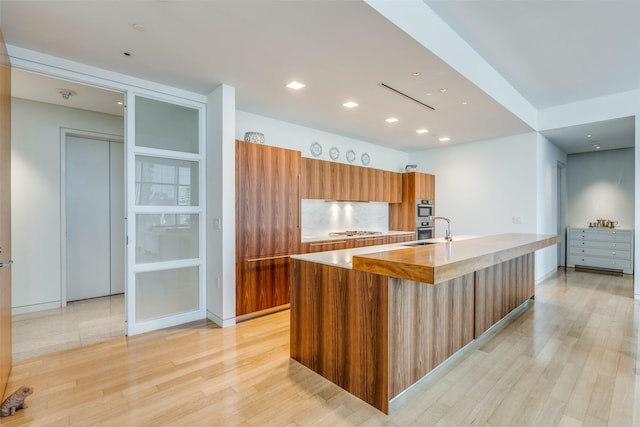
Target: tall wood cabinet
point(267, 224)
point(415, 186)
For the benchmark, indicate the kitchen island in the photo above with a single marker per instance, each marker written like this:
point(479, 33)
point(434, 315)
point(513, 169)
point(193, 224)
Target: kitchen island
point(376, 320)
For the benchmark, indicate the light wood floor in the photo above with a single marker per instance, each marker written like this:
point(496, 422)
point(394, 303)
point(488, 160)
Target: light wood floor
point(77, 324)
point(569, 358)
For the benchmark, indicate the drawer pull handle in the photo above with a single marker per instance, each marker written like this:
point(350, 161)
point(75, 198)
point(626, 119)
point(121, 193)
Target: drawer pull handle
point(370, 239)
point(267, 258)
point(327, 243)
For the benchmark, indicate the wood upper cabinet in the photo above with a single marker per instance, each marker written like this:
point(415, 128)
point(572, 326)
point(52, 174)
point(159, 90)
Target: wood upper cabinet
point(415, 186)
point(339, 181)
point(425, 185)
point(267, 224)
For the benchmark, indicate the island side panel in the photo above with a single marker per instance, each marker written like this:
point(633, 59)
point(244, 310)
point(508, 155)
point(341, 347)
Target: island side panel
point(339, 328)
point(501, 288)
point(427, 324)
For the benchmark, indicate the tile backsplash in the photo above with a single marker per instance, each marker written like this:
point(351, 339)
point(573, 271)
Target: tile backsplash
point(321, 217)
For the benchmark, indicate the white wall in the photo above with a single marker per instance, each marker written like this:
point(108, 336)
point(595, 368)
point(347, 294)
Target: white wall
point(601, 185)
point(295, 137)
point(221, 206)
point(483, 185)
point(505, 185)
point(547, 204)
point(35, 189)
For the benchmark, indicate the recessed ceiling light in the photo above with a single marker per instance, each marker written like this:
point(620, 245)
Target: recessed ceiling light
point(464, 102)
point(120, 103)
point(416, 74)
point(422, 131)
point(350, 104)
point(443, 90)
point(444, 139)
point(295, 85)
point(139, 27)
point(589, 136)
point(391, 120)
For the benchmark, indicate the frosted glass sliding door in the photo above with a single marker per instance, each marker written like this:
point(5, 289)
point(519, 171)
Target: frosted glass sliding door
point(166, 215)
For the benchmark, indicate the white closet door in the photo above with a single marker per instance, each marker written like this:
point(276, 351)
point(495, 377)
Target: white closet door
point(116, 164)
point(87, 218)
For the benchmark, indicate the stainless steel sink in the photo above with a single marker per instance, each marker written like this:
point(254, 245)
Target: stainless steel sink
point(418, 244)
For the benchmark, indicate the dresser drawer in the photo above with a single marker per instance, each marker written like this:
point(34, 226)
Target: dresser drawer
point(579, 244)
point(587, 261)
point(600, 235)
point(608, 253)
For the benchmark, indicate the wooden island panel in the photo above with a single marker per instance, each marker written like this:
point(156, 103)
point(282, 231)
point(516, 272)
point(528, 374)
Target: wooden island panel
point(427, 324)
point(339, 328)
point(501, 288)
point(376, 334)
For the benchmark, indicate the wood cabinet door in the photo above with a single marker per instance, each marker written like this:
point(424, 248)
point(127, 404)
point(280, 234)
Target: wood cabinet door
point(399, 238)
point(340, 181)
point(265, 284)
point(267, 200)
point(425, 186)
point(329, 245)
point(395, 187)
point(359, 242)
point(267, 224)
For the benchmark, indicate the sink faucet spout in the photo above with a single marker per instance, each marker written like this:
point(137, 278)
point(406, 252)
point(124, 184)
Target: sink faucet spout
point(447, 235)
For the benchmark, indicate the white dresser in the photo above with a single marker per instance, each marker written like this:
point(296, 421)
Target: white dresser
point(600, 248)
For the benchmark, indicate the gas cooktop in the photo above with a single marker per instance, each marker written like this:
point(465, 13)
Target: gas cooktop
point(354, 233)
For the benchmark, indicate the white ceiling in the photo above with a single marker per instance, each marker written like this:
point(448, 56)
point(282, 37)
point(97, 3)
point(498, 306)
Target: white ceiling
point(551, 53)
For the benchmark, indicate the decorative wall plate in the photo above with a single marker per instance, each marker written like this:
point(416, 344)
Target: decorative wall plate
point(351, 156)
point(365, 159)
point(316, 149)
point(334, 153)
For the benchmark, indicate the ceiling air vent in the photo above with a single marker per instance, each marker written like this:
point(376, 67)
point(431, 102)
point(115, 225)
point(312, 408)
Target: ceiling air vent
point(407, 96)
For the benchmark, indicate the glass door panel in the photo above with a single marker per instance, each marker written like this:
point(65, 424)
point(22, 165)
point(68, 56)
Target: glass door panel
point(166, 292)
point(167, 237)
point(167, 212)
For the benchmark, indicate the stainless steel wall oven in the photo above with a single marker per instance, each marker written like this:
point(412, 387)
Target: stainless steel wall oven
point(424, 224)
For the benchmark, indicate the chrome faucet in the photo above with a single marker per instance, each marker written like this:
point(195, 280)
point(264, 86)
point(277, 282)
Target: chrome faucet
point(447, 235)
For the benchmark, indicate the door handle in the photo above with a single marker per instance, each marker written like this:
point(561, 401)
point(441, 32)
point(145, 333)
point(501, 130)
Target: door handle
point(6, 264)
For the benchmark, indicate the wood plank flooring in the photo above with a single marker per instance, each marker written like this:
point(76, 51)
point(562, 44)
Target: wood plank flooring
point(569, 358)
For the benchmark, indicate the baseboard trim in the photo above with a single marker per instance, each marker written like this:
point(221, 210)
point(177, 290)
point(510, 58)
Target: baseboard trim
point(223, 323)
point(35, 307)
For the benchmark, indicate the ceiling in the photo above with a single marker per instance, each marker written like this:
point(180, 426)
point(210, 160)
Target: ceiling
point(551, 52)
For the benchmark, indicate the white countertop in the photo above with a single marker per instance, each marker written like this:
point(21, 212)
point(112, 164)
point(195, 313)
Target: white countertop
point(324, 237)
point(342, 257)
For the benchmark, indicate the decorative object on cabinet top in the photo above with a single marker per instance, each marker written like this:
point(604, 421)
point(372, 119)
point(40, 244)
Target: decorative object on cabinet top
point(365, 159)
point(316, 149)
point(351, 156)
point(411, 168)
point(603, 223)
point(255, 137)
point(334, 153)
